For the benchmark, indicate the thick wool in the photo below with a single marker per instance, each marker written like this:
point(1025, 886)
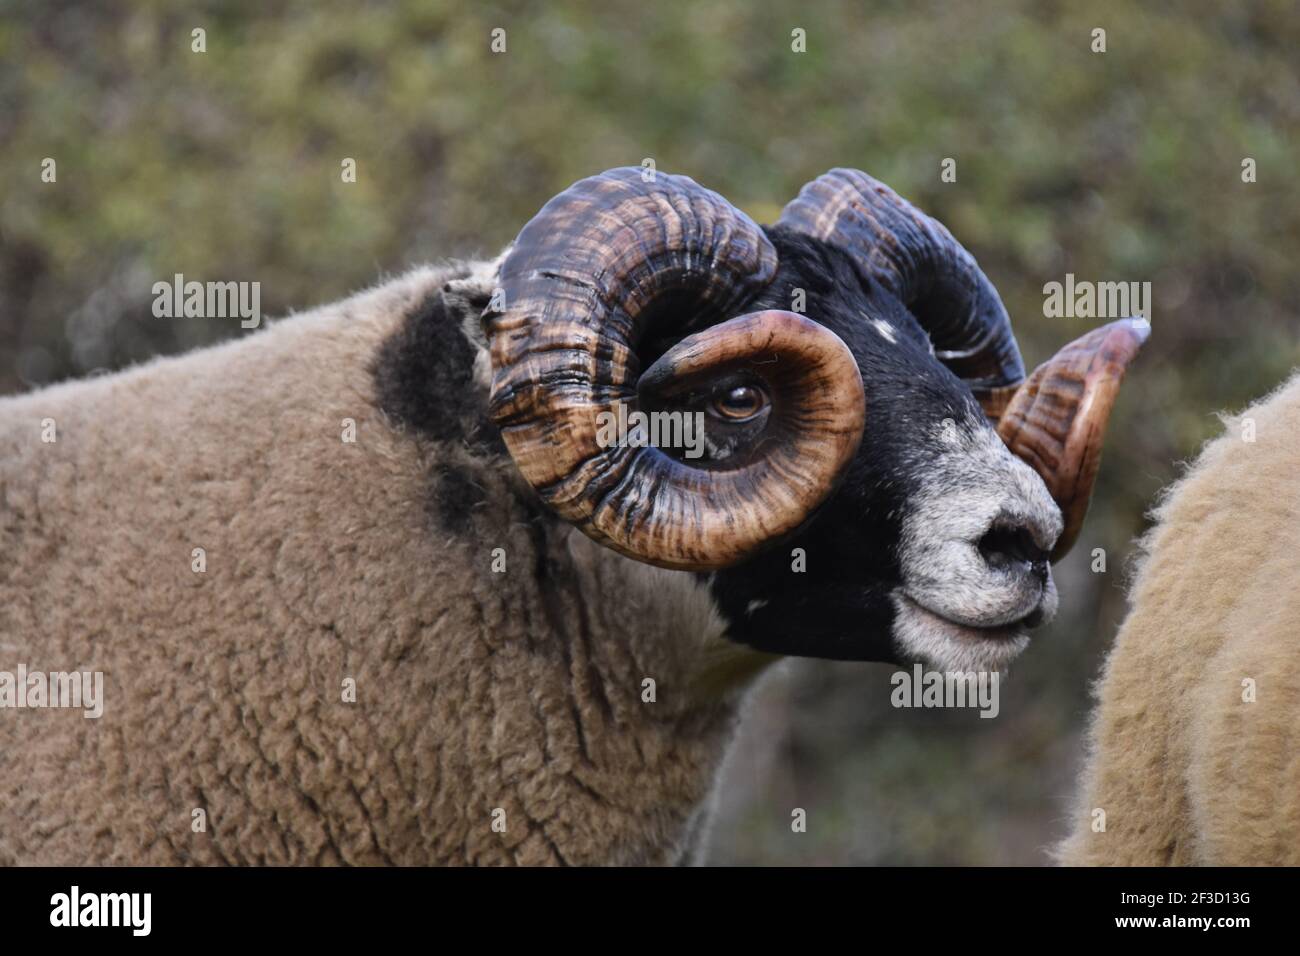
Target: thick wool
point(515, 697)
point(1185, 769)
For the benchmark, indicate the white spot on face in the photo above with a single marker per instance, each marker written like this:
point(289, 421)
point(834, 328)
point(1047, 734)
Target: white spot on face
point(886, 331)
point(716, 452)
point(753, 606)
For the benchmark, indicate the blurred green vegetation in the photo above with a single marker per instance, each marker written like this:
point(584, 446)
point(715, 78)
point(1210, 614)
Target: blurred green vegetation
point(1117, 166)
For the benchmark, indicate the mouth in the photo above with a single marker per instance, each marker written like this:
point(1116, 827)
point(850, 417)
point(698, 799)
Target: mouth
point(926, 635)
point(961, 629)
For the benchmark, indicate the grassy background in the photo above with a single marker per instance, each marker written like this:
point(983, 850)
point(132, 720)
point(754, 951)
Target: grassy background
point(1117, 166)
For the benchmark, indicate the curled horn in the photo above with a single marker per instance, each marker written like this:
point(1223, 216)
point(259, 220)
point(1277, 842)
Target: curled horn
point(919, 261)
point(1057, 420)
point(606, 267)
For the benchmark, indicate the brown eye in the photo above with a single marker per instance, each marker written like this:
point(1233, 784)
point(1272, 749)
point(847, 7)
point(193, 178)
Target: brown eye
point(739, 403)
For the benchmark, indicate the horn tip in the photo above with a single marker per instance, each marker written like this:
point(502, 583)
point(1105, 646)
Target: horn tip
point(1140, 326)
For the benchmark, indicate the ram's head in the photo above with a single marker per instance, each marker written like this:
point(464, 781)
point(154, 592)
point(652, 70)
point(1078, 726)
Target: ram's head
point(862, 396)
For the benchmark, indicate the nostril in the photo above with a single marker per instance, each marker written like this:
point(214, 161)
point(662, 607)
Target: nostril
point(1006, 545)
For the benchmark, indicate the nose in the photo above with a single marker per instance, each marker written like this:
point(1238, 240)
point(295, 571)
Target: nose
point(1018, 545)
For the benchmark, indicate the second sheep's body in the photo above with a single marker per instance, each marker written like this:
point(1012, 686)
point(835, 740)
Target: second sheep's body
point(1196, 739)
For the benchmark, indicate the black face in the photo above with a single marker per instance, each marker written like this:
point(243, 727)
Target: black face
point(841, 605)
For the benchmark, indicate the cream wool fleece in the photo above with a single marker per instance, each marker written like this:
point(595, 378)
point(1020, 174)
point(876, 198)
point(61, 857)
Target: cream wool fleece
point(516, 698)
point(1186, 767)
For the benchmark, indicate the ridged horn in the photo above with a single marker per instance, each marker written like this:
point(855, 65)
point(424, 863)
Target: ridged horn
point(607, 266)
point(1057, 420)
point(919, 261)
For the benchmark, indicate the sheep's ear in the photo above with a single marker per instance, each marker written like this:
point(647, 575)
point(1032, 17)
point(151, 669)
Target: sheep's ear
point(470, 293)
point(1056, 420)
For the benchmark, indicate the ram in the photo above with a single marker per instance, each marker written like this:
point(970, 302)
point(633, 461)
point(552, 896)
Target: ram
point(365, 587)
point(1193, 746)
